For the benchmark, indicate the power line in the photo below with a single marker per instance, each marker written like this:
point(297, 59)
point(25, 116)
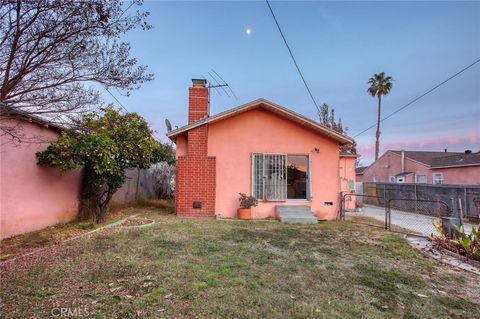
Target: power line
point(153, 135)
point(291, 55)
point(419, 97)
point(117, 100)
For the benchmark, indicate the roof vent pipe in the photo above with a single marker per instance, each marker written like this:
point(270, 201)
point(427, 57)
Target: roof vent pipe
point(403, 162)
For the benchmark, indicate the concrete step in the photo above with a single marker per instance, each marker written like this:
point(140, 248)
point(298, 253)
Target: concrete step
point(293, 208)
point(297, 214)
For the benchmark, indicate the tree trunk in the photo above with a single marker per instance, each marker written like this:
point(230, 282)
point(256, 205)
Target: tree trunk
point(103, 200)
point(87, 198)
point(94, 202)
point(377, 134)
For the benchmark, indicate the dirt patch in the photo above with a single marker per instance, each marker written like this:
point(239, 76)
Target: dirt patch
point(26, 243)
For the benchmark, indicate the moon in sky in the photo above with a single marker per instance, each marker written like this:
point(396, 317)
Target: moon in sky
point(248, 31)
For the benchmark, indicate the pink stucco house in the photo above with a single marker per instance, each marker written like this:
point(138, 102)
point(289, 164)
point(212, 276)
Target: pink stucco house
point(423, 167)
point(33, 197)
point(259, 148)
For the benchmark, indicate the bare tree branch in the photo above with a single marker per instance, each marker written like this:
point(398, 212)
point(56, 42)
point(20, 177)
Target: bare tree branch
point(52, 52)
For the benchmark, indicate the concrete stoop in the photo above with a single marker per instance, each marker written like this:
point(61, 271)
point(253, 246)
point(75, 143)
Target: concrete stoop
point(295, 214)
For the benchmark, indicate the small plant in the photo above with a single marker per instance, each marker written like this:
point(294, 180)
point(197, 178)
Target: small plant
point(438, 228)
point(470, 242)
point(247, 202)
point(465, 244)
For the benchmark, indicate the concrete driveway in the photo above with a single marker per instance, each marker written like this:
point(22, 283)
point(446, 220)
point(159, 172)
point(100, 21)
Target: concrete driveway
point(417, 223)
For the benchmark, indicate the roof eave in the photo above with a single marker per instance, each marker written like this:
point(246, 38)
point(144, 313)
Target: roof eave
point(342, 139)
point(454, 166)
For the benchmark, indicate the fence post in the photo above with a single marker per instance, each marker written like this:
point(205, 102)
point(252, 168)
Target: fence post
point(415, 196)
point(385, 193)
point(138, 181)
point(460, 209)
point(341, 206)
point(386, 214)
point(452, 208)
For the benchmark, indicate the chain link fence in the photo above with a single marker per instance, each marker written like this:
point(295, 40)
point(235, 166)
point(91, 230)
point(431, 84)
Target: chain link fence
point(406, 215)
point(363, 209)
point(466, 197)
point(416, 217)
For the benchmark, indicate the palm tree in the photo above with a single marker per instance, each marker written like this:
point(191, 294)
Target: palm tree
point(379, 85)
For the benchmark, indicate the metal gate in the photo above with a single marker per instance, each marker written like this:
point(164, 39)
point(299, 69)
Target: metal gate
point(410, 216)
point(353, 208)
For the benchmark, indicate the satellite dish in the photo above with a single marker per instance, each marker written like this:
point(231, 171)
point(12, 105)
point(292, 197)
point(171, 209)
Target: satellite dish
point(168, 124)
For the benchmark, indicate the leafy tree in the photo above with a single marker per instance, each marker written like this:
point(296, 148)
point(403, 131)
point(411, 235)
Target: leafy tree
point(327, 118)
point(379, 85)
point(52, 52)
point(105, 146)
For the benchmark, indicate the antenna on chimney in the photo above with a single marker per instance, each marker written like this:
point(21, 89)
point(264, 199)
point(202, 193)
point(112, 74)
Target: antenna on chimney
point(219, 82)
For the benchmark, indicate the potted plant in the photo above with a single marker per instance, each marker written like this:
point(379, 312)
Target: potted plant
point(246, 204)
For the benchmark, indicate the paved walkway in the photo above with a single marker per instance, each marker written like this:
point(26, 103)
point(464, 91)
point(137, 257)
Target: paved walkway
point(421, 224)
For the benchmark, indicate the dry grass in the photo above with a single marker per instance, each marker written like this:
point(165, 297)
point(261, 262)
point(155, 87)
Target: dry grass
point(188, 268)
point(25, 243)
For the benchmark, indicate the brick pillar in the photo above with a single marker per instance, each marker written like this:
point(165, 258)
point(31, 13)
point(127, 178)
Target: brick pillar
point(195, 185)
point(197, 101)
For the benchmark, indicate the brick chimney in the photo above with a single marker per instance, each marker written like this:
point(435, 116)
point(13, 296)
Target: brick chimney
point(195, 172)
point(197, 100)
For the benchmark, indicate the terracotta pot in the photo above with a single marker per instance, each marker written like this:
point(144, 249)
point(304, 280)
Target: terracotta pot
point(244, 213)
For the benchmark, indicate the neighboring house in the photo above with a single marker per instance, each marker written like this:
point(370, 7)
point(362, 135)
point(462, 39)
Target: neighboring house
point(262, 149)
point(424, 167)
point(31, 196)
point(359, 173)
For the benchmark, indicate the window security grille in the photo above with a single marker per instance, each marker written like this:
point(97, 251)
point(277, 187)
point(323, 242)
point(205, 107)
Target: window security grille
point(270, 177)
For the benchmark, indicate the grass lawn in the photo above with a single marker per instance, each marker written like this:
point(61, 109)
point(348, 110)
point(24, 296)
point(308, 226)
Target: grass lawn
point(187, 268)
point(22, 244)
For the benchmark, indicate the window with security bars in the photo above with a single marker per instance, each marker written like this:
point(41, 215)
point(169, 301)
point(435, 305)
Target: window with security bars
point(280, 177)
point(270, 177)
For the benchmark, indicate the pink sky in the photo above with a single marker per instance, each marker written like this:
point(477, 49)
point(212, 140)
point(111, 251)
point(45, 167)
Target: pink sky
point(452, 144)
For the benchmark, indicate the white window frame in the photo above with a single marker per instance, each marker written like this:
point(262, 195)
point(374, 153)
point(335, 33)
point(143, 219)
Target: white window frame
point(416, 179)
point(437, 178)
point(283, 196)
point(392, 179)
point(400, 180)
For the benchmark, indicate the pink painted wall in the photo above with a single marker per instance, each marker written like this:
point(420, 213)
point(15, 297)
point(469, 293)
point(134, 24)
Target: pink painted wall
point(232, 141)
point(347, 173)
point(459, 175)
point(359, 178)
point(390, 164)
point(33, 197)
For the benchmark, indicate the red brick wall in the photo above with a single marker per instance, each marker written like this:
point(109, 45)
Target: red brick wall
point(197, 103)
point(196, 171)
